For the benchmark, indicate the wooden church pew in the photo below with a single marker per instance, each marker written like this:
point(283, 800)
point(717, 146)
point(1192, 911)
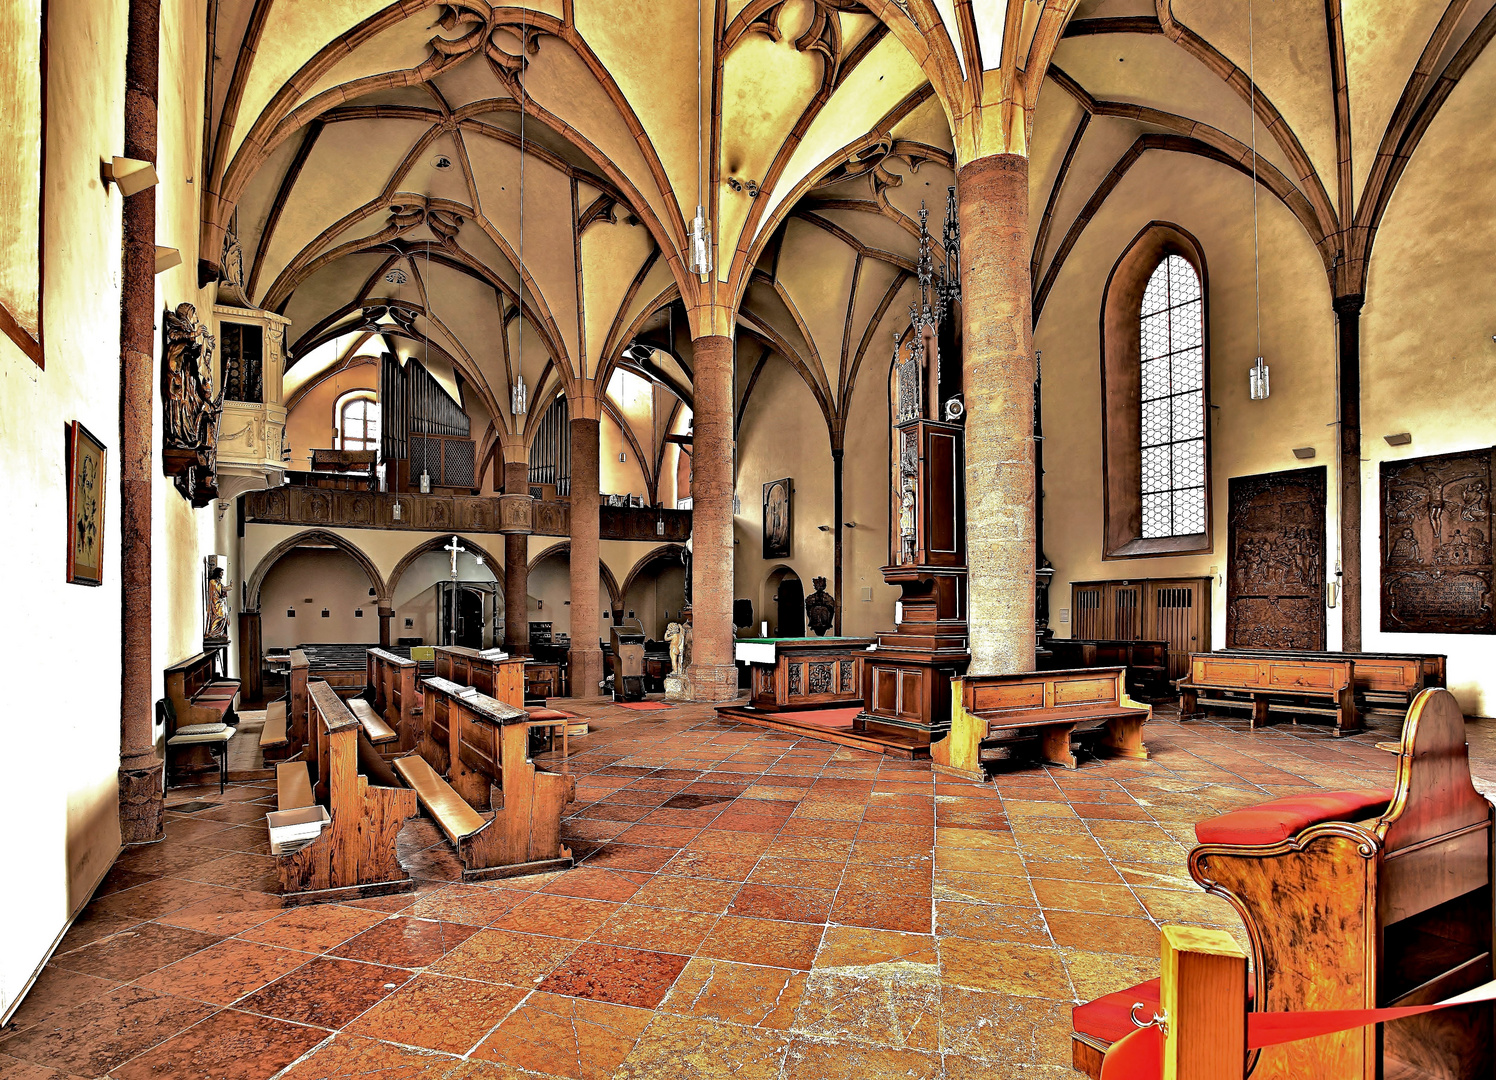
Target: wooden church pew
point(488, 769)
point(500, 679)
point(1364, 899)
point(355, 855)
point(1267, 684)
point(392, 693)
point(1383, 681)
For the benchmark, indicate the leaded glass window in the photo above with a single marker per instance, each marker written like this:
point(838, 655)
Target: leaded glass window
point(1173, 401)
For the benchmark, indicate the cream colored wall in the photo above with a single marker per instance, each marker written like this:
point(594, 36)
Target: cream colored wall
point(416, 597)
point(784, 434)
point(309, 582)
point(1214, 204)
point(71, 830)
point(659, 589)
point(1428, 362)
point(310, 425)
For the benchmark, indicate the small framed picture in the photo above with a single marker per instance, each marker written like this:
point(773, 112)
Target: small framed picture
point(86, 462)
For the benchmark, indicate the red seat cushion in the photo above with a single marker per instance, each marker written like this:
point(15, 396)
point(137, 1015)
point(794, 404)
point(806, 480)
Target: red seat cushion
point(538, 713)
point(1109, 1018)
point(214, 691)
point(1270, 822)
point(219, 705)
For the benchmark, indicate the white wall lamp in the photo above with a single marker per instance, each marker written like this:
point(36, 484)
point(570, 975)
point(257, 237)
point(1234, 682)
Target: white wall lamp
point(1258, 380)
point(166, 258)
point(1402, 438)
point(130, 175)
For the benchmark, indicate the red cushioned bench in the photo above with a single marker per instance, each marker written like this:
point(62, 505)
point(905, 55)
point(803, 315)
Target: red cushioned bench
point(1367, 898)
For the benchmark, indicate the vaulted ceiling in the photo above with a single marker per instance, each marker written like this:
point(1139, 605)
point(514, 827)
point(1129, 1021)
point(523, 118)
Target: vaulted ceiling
point(376, 166)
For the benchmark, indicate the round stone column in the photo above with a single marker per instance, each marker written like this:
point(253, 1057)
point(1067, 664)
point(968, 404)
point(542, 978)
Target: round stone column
point(516, 560)
point(998, 369)
point(586, 580)
point(713, 674)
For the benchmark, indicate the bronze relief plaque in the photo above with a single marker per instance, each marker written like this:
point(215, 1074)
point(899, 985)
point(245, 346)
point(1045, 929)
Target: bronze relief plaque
point(1436, 545)
point(1276, 561)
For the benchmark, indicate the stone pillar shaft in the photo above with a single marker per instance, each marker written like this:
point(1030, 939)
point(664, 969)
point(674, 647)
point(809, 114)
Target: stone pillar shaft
point(586, 579)
point(998, 369)
point(712, 672)
point(516, 569)
point(1348, 314)
point(140, 775)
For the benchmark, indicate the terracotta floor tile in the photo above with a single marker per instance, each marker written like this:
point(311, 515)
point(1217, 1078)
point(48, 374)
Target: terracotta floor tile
point(160, 897)
point(229, 915)
point(991, 922)
point(810, 1059)
point(1097, 899)
point(1004, 1028)
point(798, 873)
point(313, 927)
point(711, 864)
point(55, 991)
point(763, 941)
point(736, 993)
point(1098, 872)
point(131, 953)
point(688, 1048)
point(439, 1013)
point(658, 835)
point(557, 916)
point(1165, 905)
point(908, 856)
point(621, 976)
point(229, 1045)
point(891, 1009)
point(630, 857)
point(815, 848)
point(1103, 933)
point(822, 827)
point(1095, 973)
point(604, 811)
point(849, 947)
point(104, 1032)
point(502, 956)
point(781, 902)
point(689, 819)
point(731, 843)
point(686, 893)
point(474, 905)
point(92, 926)
point(350, 1057)
point(637, 927)
point(406, 942)
point(614, 885)
point(695, 802)
point(1015, 970)
point(326, 992)
point(225, 972)
point(565, 1036)
point(16, 1069)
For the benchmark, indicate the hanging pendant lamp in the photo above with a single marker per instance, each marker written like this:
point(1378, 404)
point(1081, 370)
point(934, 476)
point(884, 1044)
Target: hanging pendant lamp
point(701, 232)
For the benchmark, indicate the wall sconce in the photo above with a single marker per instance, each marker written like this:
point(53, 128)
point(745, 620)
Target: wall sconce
point(1402, 438)
point(1258, 380)
point(130, 175)
point(166, 258)
point(1303, 453)
point(358, 613)
point(824, 528)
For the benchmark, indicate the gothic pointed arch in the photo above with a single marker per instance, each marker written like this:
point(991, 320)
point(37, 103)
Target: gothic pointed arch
point(437, 543)
point(316, 538)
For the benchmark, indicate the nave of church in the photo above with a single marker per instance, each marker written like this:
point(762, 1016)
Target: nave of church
point(764, 538)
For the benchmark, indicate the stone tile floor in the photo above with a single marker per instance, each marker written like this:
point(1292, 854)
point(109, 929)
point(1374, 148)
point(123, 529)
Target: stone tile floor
point(745, 904)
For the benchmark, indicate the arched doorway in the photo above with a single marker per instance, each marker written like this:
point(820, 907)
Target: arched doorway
point(784, 595)
point(433, 609)
point(655, 590)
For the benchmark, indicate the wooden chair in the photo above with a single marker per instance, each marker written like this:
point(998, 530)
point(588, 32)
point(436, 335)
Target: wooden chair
point(214, 737)
point(1301, 686)
point(1051, 715)
point(355, 854)
point(488, 769)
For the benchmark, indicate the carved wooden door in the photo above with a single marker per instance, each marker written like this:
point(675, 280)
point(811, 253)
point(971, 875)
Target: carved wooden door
point(1276, 561)
point(1124, 604)
point(1178, 611)
point(1085, 605)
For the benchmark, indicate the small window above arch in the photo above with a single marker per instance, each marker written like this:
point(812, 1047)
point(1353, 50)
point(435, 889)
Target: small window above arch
point(1155, 374)
point(356, 421)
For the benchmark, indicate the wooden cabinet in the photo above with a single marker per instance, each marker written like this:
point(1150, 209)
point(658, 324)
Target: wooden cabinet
point(1176, 610)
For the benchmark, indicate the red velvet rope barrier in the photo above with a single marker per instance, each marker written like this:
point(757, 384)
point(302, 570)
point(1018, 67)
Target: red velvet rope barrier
point(1140, 1054)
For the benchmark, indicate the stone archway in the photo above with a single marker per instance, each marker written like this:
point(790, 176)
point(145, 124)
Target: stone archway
point(313, 538)
point(436, 543)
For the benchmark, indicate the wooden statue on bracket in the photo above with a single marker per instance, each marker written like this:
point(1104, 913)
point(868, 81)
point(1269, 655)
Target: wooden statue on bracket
point(191, 408)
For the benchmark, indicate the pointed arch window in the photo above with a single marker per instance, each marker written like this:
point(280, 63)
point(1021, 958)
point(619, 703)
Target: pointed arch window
point(1172, 402)
point(1155, 376)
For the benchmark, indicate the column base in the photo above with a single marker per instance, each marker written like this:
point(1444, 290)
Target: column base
point(141, 796)
point(586, 672)
point(711, 682)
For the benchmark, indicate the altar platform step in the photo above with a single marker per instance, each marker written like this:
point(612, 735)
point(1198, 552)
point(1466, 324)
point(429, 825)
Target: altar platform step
point(833, 726)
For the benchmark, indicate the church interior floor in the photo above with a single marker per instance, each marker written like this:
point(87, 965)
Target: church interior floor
point(744, 904)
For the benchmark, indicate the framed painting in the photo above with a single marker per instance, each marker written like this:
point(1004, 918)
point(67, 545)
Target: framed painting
point(86, 461)
point(779, 519)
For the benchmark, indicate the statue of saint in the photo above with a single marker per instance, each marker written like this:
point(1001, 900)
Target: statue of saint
point(906, 523)
point(216, 627)
point(679, 637)
point(820, 608)
point(187, 379)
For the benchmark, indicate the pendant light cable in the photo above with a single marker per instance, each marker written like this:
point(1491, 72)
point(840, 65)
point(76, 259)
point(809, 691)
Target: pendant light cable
point(1256, 244)
point(520, 293)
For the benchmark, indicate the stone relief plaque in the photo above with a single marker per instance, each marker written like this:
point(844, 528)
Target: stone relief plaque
point(1436, 544)
point(1276, 561)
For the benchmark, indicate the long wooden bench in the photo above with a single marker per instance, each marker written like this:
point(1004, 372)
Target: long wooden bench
point(500, 679)
point(391, 691)
point(1385, 682)
point(1271, 684)
point(355, 854)
point(1050, 715)
point(1147, 662)
point(1361, 899)
point(488, 768)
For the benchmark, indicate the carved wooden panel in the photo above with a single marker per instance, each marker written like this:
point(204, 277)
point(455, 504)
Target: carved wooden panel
point(1276, 561)
point(1436, 545)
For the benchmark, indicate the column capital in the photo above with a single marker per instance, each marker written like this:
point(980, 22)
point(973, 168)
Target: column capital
point(515, 514)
